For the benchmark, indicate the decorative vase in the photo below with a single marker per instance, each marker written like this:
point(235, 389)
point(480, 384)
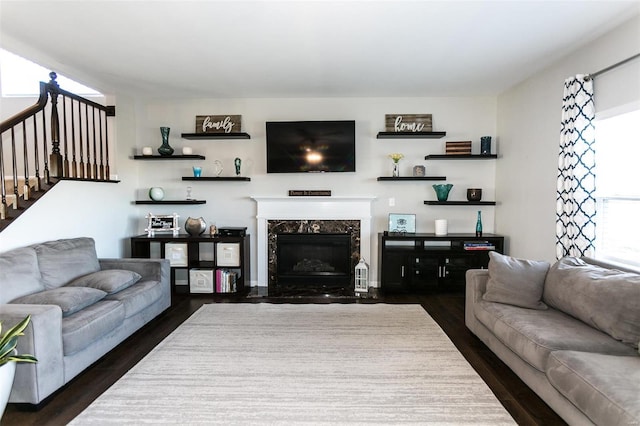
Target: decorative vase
point(156, 193)
point(479, 225)
point(165, 150)
point(7, 373)
point(485, 145)
point(237, 163)
point(195, 226)
point(442, 190)
point(197, 171)
point(396, 169)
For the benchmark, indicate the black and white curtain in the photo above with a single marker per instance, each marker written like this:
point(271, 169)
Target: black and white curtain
point(575, 199)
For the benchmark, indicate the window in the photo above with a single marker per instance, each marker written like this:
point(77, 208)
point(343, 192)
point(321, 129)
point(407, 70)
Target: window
point(618, 187)
point(21, 77)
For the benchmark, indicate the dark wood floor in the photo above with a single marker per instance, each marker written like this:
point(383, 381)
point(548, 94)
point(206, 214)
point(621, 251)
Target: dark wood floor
point(446, 309)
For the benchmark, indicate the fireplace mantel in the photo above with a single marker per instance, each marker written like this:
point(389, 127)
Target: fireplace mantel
point(307, 208)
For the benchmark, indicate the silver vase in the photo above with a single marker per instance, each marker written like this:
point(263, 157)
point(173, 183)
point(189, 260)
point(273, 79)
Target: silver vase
point(195, 226)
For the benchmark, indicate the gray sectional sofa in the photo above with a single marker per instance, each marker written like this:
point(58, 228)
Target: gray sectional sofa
point(81, 307)
point(570, 331)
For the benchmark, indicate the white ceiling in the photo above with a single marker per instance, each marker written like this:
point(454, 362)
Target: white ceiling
point(303, 48)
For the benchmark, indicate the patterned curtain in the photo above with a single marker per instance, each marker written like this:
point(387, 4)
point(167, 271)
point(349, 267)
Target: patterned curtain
point(575, 199)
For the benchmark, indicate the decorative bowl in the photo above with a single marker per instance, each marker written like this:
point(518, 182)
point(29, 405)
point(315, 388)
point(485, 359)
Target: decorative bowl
point(474, 194)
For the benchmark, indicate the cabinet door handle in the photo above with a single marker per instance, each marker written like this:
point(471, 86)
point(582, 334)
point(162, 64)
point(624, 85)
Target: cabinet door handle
point(402, 271)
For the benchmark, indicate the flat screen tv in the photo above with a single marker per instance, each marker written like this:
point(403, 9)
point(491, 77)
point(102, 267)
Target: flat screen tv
point(311, 146)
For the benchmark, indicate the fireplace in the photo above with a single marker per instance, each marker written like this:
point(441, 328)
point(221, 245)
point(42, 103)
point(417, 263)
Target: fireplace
point(310, 215)
point(314, 260)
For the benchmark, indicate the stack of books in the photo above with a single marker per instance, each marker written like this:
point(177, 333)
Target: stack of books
point(458, 148)
point(226, 281)
point(478, 245)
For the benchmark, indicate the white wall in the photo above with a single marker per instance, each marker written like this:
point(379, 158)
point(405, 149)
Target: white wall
point(228, 203)
point(529, 129)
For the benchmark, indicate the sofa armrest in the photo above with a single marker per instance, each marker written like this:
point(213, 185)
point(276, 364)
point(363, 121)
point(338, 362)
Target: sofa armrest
point(42, 339)
point(150, 269)
point(476, 286)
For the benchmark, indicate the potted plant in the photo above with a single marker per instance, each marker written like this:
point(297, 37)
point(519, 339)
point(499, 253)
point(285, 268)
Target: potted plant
point(9, 358)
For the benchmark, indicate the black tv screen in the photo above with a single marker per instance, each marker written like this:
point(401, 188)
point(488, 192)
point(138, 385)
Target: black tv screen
point(311, 146)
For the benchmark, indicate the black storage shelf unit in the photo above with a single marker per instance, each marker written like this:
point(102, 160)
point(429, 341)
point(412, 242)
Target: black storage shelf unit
point(460, 203)
point(461, 157)
point(169, 157)
point(405, 178)
point(196, 246)
point(171, 202)
point(198, 136)
point(411, 135)
point(427, 262)
point(218, 178)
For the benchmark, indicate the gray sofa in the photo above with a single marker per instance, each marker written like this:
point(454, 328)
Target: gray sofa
point(570, 331)
point(81, 307)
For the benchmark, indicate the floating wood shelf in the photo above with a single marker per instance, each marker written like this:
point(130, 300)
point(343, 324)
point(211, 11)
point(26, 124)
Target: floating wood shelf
point(461, 157)
point(219, 178)
point(196, 136)
point(460, 203)
point(411, 135)
point(171, 202)
point(169, 157)
point(404, 178)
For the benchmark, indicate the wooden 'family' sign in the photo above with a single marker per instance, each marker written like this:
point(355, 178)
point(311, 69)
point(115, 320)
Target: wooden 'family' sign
point(218, 123)
point(408, 123)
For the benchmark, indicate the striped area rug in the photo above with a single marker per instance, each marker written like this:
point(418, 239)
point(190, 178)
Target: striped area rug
point(264, 363)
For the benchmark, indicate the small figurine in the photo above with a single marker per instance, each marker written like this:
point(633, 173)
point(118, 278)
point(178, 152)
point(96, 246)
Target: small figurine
point(237, 162)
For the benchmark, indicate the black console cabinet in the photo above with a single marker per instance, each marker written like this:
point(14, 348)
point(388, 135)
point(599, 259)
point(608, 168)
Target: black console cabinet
point(418, 262)
point(198, 262)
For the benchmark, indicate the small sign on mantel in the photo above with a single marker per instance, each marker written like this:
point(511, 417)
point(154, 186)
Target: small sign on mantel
point(309, 193)
point(408, 122)
point(218, 123)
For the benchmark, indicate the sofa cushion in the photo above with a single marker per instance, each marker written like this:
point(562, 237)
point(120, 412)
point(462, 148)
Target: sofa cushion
point(70, 299)
point(89, 325)
point(19, 274)
point(139, 297)
point(604, 387)
point(110, 280)
point(62, 261)
point(516, 281)
point(534, 334)
point(607, 299)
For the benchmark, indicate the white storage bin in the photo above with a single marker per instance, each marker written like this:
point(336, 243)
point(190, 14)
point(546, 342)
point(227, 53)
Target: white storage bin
point(176, 253)
point(200, 280)
point(228, 254)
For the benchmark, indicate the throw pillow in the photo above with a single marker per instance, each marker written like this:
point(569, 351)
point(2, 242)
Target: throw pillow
point(62, 261)
point(19, 274)
point(605, 298)
point(70, 299)
point(109, 280)
point(516, 282)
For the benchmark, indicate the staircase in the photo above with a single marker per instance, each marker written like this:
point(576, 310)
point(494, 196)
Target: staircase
point(62, 137)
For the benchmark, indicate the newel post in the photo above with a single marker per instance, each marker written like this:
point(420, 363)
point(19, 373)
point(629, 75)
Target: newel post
point(55, 158)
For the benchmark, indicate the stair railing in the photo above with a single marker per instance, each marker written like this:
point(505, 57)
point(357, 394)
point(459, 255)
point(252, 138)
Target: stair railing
point(73, 144)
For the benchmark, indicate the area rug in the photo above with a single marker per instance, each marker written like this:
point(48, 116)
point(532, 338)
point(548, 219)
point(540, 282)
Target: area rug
point(261, 363)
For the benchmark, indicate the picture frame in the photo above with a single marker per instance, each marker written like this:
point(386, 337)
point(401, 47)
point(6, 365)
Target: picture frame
point(162, 223)
point(402, 223)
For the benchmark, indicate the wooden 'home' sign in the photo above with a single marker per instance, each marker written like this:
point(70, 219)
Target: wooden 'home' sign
point(218, 123)
point(408, 123)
